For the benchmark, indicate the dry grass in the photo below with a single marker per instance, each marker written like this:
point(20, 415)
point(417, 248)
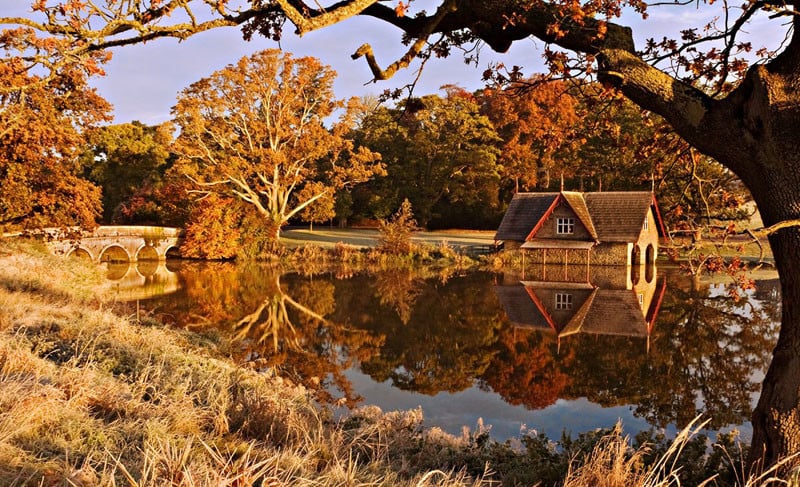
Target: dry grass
point(613, 463)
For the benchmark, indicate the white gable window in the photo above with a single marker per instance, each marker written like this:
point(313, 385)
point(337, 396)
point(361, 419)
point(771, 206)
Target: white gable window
point(646, 222)
point(563, 301)
point(565, 226)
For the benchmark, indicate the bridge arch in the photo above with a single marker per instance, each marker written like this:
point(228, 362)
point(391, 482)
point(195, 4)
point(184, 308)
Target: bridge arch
point(117, 243)
point(148, 252)
point(115, 271)
point(173, 250)
point(147, 268)
point(80, 253)
point(114, 253)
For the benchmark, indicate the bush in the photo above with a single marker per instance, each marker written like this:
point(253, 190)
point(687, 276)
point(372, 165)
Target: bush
point(395, 234)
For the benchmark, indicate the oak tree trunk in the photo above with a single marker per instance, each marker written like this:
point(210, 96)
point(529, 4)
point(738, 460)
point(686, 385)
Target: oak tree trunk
point(776, 418)
point(753, 131)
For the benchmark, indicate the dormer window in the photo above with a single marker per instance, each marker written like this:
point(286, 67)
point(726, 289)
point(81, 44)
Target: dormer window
point(563, 301)
point(565, 226)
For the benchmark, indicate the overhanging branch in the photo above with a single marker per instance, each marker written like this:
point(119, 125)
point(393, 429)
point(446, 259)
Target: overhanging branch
point(380, 74)
point(321, 18)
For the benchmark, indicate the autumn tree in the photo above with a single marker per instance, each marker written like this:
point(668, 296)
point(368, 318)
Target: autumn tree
point(395, 233)
point(213, 230)
point(538, 128)
point(123, 158)
point(321, 210)
point(165, 202)
point(43, 123)
point(255, 130)
point(698, 80)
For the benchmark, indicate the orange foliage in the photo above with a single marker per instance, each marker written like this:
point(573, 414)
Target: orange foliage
point(536, 125)
point(41, 138)
point(256, 131)
point(213, 229)
point(525, 370)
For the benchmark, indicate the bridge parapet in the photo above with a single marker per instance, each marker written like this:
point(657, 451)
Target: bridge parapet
point(119, 242)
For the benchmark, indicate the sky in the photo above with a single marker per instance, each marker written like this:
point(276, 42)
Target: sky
point(142, 81)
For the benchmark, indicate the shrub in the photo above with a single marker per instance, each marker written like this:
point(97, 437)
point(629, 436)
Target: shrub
point(395, 234)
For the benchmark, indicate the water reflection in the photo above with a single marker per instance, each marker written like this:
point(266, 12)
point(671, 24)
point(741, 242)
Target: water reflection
point(134, 281)
point(667, 347)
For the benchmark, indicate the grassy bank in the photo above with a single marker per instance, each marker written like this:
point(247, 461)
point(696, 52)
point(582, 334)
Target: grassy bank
point(88, 397)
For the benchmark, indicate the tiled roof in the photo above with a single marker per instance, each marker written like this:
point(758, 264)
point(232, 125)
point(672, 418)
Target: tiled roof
point(614, 216)
point(524, 211)
point(576, 322)
point(615, 312)
point(618, 215)
point(602, 312)
point(578, 205)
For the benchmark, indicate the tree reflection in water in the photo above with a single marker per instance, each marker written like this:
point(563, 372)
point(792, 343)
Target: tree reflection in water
point(670, 353)
point(702, 352)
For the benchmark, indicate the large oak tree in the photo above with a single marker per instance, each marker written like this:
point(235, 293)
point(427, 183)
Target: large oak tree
point(256, 130)
point(746, 118)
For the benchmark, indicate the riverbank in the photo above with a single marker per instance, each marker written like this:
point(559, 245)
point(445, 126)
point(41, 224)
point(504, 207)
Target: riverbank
point(362, 238)
point(90, 397)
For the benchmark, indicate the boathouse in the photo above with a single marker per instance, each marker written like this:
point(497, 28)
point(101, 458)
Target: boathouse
point(605, 228)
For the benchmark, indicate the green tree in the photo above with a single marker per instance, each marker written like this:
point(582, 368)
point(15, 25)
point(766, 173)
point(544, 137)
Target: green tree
point(255, 131)
point(123, 158)
point(438, 151)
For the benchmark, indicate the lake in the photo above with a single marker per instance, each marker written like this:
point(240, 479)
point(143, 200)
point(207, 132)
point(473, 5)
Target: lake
point(559, 349)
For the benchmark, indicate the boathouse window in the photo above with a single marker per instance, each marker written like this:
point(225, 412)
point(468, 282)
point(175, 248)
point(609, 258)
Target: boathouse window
point(563, 301)
point(565, 226)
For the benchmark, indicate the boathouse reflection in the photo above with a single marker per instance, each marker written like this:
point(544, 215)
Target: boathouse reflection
point(600, 300)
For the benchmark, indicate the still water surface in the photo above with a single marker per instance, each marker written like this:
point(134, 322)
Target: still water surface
point(560, 349)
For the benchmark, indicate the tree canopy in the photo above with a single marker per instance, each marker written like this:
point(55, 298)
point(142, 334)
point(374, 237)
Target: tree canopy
point(123, 158)
point(256, 131)
point(42, 133)
point(438, 151)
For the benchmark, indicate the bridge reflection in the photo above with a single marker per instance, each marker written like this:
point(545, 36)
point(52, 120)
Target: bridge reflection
point(141, 280)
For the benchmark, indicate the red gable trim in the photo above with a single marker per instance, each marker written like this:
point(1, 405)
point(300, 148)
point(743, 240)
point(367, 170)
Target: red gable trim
point(544, 217)
point(542, 309)
point(657, 213)
point(652, 313)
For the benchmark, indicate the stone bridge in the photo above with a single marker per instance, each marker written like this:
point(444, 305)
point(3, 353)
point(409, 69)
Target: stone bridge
point(117, 243)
